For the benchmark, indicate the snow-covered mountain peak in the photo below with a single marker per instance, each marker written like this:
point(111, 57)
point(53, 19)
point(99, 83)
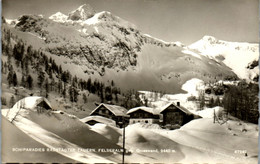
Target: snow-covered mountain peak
point(104, 15)
point(58, 17)
point(82, 13)
point(209, 42)
point(209, 39)
point(177, 43)
point(236, 55)
point(11, 21)
point(84, 7)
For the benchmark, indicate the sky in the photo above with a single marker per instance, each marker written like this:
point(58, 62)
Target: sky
point(171, 20)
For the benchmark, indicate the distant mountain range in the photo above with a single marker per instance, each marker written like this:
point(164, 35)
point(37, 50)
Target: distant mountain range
point(106, 47)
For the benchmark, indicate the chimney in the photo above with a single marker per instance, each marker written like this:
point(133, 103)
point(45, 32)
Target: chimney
point(178, 103)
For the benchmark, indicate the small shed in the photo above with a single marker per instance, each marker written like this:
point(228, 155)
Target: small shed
point(35, 103)
point(143, 115)
point(92, 120)
point(175, 114)
point(114, 112)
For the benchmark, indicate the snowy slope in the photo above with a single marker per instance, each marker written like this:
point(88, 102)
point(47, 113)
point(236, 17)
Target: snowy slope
point(55, 142)
point(11, 21)
point(236, 55)
point(82, 13)
point(11, 142)
point(197, 141)
point(209, 112)
point(177, 43)
point(191, 87)
point(62, 132)
point(107, 47)
point(113, 48)
point(59, 17)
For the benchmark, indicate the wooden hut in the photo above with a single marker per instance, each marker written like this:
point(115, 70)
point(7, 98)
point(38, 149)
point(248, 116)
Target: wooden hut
point(114, 112)
point(175, 114)
point(143, 115)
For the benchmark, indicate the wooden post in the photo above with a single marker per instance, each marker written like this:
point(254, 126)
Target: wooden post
point(214, 116)
point(123, 160)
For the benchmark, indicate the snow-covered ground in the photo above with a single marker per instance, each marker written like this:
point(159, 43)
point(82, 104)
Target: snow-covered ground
point(59, 17)
point(177, 43)
point(12, 145)
point(209, 112)
point(236, 55)
point(99, 119)
point(192, 88)
point(53, 141)
point(197, 141)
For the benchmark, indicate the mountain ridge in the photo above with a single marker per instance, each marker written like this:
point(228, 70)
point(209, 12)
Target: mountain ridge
point(105, 45)
point(236, 55)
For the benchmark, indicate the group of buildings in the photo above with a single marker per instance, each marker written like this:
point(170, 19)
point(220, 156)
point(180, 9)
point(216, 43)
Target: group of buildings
point(173, 114)
point(170, 115)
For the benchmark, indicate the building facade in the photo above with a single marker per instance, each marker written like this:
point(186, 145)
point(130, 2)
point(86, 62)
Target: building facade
point(113, 112)
point(174, 114)
point(143, 115)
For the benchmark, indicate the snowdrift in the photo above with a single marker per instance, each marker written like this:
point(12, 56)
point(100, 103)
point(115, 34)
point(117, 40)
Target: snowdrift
point(200, 140)
point(99, 119)
point(57, 129)
point(24, 141)
point(209, 112)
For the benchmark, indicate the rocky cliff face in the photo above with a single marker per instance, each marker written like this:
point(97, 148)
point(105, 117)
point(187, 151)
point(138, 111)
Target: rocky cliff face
point(82, 13)
point(113, 48)
point(104, 40)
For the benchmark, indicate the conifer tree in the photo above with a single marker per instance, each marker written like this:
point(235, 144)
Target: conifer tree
point(46, 85)
point(23, 82)
point(85, 98)
point(11, 102)
point(29, 81)
point(40, 79)
point(89, 84)
point(15, 82)
point(10, 78)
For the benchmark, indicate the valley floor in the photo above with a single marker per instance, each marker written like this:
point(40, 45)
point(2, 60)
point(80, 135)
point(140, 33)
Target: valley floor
point(198, 141)
point(15, 140)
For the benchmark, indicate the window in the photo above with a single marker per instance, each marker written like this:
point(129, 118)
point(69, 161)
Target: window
point(146, 121)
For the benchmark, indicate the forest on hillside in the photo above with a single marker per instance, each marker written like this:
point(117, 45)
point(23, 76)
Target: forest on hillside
point(239, 100)
point(24, 66)
point(30, 68)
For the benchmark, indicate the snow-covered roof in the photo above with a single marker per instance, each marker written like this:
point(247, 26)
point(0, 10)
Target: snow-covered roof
point(179, 107)
point(100, 119)
point(25, 103)
point(30, 102)
point(116, 110)
point(144, 108)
